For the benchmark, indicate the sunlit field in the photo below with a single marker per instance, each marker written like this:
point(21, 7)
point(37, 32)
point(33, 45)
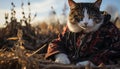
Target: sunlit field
point(23, 43)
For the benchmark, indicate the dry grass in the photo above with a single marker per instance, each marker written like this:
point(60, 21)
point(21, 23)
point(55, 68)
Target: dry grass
point(24, 47)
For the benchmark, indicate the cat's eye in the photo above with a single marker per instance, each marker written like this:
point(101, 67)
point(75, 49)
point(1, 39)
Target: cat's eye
point(97, 20)
point(75, 16)
point(78, 18)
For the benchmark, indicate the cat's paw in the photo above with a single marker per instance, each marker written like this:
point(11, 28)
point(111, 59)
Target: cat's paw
point(62, 58)
point(84, 63)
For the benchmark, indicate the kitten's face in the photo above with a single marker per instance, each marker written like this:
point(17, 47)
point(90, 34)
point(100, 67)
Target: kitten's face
point(84, 16)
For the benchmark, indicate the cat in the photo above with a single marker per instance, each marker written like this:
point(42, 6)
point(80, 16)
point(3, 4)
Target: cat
point(88, 34)
point(82, 16)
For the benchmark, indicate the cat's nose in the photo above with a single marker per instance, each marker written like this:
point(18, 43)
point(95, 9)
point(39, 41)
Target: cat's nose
point(86, 23)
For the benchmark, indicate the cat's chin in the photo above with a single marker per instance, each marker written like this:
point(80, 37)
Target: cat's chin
point(93, 29)
point(88, 31)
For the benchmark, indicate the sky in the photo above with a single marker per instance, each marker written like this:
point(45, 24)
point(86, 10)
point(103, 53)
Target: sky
point(43, 7)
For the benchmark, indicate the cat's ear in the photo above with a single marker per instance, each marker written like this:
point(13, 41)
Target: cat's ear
point(72, 4)
point(98, 3)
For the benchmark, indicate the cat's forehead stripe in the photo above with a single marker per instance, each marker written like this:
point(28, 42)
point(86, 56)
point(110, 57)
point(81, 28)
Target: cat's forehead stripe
point(86, 17)
point(85, 13)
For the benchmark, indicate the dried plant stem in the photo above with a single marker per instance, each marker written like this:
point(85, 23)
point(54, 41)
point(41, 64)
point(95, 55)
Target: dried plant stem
point(37, 50)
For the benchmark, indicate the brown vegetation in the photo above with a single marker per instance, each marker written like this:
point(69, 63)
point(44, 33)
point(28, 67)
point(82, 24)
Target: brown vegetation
point(24, 47)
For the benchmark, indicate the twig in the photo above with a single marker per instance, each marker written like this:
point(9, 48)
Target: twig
point(37, 50)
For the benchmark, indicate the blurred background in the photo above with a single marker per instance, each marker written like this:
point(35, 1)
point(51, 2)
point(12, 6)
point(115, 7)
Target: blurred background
point(28, 26)
point(50, 11)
